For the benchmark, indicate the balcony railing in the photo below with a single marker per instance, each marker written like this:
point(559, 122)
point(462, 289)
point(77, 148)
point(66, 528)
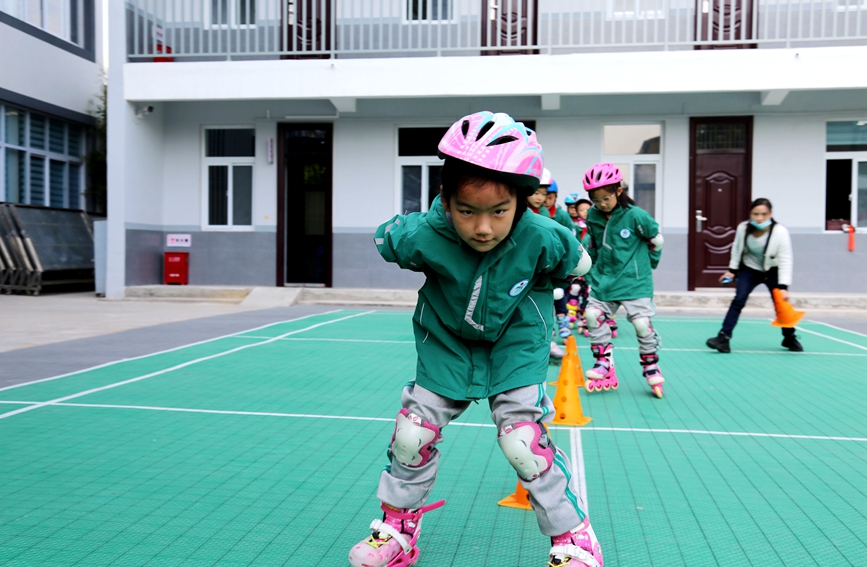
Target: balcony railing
point(299, 29)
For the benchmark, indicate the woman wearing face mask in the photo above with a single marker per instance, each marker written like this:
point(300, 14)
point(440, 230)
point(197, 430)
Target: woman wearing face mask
point(761, 254)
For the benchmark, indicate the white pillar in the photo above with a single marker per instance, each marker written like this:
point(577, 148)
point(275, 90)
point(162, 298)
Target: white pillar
point(118, 117)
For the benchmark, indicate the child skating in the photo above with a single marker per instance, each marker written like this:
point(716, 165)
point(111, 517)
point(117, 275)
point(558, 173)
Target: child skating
point(482, 326)
point(625, 247)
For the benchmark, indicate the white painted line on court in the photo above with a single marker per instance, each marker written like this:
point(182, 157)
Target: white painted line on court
point(173, 368)
point(728, 433)
point(16, 402)
point(578, 466)
point(803, 330)
point(457, 424)
point(337, 340)
point(165, 351)
point(836, 327)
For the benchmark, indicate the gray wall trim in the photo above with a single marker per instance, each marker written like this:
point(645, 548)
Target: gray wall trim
point(189, 228)
point(87, 52)
point(805, 230)
point(354, 230)
point(31, 103)
point(265, 228)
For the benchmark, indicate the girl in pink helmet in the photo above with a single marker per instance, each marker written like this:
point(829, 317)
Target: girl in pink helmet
point(482, 326)
point(626, 246)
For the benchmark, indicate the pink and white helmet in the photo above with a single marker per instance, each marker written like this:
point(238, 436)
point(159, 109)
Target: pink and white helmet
point(600, 175)
point(496, 142)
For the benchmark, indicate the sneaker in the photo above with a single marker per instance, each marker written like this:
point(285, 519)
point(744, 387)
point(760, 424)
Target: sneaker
point(720, 343)
point(791, 343)
point(576, 548)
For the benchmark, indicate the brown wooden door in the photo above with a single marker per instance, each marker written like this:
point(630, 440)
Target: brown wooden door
point(509, 23)
point(725, 20)
point(308, 28)
point(720, 193)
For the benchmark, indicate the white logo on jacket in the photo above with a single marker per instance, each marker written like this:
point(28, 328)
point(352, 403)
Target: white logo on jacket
point(625, 233)
point(518, 288)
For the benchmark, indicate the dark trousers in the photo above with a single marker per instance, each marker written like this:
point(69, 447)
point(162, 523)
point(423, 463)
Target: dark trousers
point(748, 280)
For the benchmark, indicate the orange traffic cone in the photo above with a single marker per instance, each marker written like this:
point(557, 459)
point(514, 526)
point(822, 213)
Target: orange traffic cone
point(571, 352)
point(519, 499)
point(787, 317)
point(567, 401)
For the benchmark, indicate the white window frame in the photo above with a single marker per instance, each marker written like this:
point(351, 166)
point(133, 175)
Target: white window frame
point(850, 6)
point(856, 157)
point(233, 9)
point(405, 19)
point(639, 159)
point(425, 162)
point(47, 155)
point(66, 17)
point(230, 162)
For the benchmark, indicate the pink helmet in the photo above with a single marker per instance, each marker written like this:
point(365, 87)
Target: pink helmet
point(496, 142)
point(600, 175)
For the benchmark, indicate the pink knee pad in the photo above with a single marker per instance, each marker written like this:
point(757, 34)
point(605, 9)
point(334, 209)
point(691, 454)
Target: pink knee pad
point(413, 439)
point(528, 448)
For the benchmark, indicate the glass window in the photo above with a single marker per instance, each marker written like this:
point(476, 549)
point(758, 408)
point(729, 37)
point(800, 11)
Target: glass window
point(230, 142)
point(433, 182)
point(862, 194)
point(34, 12)
point(13, 7)
point(37, 180)
point(218, 195)
point(721, 137)
point(14, 126)
point(627, 140)
point(74, 186)
point(411, 185)
point(15, 172)
point(53, 16)
point(56, 136)
point(233, 12)
point(37, 131)
point(74, 147)
point(242, 195)
point(57, 183)
point(644, 188)
point(427, 9)
point(850, 136)
point(419, 141)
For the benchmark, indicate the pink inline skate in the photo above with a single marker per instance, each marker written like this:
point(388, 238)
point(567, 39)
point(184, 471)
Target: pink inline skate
point(652, 373)
point(393, 541)
point(602, 375)
point(576, 548)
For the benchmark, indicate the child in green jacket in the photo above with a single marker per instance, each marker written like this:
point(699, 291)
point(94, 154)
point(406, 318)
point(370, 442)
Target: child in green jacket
point(481, 325)
point(625, 247)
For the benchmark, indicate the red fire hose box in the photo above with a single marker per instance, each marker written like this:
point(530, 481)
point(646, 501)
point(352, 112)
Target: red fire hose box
point(176, 268)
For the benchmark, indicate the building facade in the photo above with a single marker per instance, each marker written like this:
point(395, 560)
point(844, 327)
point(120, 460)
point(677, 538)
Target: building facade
point(50, 78)
point(278, 134)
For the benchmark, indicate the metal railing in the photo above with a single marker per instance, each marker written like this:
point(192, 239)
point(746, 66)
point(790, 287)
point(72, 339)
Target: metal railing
point(169, 30)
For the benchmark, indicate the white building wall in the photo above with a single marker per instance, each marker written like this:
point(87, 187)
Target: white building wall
point(789, 168)
point(34, 68)
point(144, 168)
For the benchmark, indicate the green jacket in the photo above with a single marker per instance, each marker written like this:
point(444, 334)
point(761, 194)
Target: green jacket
point(623, 262)
point(483, 321)
point(561, 217)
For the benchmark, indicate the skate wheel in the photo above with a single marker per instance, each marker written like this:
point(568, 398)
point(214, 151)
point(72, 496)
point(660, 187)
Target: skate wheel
point(606, 387)
point(588, 386)
point(657, 391)
point(614, 386)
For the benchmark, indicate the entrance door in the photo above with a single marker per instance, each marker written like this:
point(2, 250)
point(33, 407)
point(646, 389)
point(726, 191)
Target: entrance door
point(509, 23)
point(304, 205)
point(308, 28)
point(720, 174)
point(725, 20)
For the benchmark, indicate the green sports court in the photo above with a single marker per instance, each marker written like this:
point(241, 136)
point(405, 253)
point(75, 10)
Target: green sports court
point(263, 447)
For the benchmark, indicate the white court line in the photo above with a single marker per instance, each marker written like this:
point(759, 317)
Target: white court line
point(163, 351)
point(16, 402)
point(707, 350)
point(803, 330)
point(836, 327)
point(461, 424)
point(173, 368)
point(578, 466)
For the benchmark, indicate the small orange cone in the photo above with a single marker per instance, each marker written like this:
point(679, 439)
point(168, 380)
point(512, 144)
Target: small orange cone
point(571, 352)
point(519, 499)
point(787, 317)
point(567, 401)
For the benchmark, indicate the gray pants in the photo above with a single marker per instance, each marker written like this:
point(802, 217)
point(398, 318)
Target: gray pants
point(554, 495)
point(600, 332)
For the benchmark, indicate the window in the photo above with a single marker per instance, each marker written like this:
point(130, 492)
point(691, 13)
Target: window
point(418, 168)
point(428, 10)
point(846, 175)
point(228, 177)
point(40, 159)
point(635, 9)
point(635, 149)
point(63, 18)
point(232, 13)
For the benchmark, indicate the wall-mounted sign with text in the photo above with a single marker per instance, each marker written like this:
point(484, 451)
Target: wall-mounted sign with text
point(178, 240)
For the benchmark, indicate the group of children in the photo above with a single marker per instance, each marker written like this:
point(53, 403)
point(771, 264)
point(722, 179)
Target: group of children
point(485, 318)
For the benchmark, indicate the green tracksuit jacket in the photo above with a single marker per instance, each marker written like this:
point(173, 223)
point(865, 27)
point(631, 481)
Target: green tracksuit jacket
point(561, 216)
point(623, 262)
point(483, 320)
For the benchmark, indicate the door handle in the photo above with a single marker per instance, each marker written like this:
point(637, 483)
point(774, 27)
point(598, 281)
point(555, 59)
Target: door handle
point(698, 220)
point(290, 12)
point(493, 14)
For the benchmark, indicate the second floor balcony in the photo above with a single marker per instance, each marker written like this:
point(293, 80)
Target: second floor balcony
point(208, 30)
